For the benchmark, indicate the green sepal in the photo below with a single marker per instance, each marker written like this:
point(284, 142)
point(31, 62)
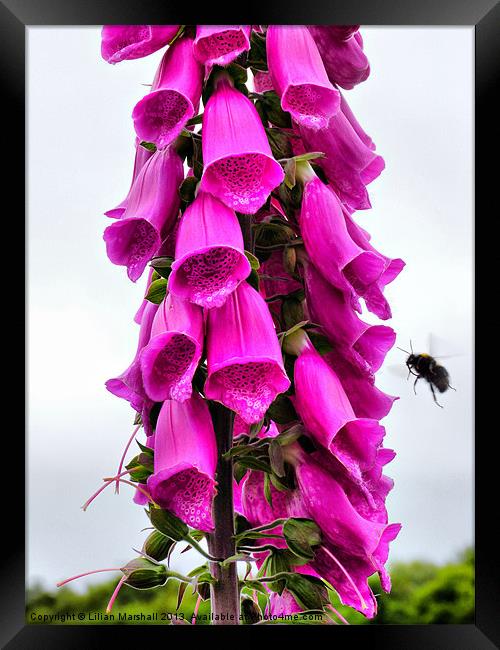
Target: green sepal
point(168, 524)
point(158, 546)
point(157, 291)
point(301, 536)
point(310, 592)
point(254, 262)
point(142, 573)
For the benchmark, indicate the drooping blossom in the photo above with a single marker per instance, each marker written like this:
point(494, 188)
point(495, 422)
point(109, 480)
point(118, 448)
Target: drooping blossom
point(149, 216)
point(175, 95)
point(239, 167)
point(129, 385)
point(349, 164)
point(353, 548)
point(299, 76)
point(171, 357)
point(345, 62)
point(364, 344)
point(184, 462)
point(142, 154)
point(366, 399)
point(121, 42)
point(328, 243)
point(210, 259)
point(221, 44)
point(245, 372)
point(373, 294)
point(327, 414)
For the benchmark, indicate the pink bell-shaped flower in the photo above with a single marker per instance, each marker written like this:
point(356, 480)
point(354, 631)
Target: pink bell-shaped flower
point(244, 360)
point(239, 167)
point(184, 462)
point(210, 260)
point(160, 116)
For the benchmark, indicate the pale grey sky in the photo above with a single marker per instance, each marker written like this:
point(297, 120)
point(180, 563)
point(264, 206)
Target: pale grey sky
point(418, 107)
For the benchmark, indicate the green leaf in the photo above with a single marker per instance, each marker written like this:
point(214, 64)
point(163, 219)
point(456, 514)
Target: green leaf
point(157, 291)
point(279, 142)
point(290, 170)
point(180, 594)
point(257, 57)
point(301, 536)
point(290, 435)
point(292, 313)
point(254, 585)
point(320, 342)
point(312, 155)
point(250, 611)
point(158, 546)
point(239, 471)
point(276, 458)
point(275, 114)
point(282, 410)
point(253, 279)
point(150, 146)
point(309, 592)
point(277, 562)
point(188, 188)
point(254, 262)
point(267, 490)
point(168, 524)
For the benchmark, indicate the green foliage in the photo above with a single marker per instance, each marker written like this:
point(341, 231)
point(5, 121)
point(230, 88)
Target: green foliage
point(422, 593)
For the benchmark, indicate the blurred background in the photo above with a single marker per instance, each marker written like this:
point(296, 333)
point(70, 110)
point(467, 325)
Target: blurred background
point(417, 105)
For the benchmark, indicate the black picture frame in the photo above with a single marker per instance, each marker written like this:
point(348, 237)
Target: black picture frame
point(15, 16)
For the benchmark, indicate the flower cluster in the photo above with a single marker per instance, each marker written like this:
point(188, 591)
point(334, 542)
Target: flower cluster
point(258, 272)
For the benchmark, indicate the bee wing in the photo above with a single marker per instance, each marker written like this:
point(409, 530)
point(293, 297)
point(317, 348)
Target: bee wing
point(398, 369)
point(440, 348)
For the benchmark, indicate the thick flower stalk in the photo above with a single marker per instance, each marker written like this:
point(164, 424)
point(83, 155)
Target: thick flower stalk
point(253, 380)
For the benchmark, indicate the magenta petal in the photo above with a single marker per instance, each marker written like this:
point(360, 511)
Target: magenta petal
point(239, 167)
point(282, 605)
point(344, 59)
point(341, 524)
point(245, 373)
point(221, 44)
point(160, 116)
point(262, 82)
point(171, 357)
point(373, 295)
point(349, 164)
point(299, 76)
point(349, 576)
point(129, 384)
point(149, 216)
point(121, 42)
point(366, 345)
point(131, 242)
point(366, 399)
point(329, 244)
point(141, 156)
point(210, 260)
point(184, 462)
point(328, 416)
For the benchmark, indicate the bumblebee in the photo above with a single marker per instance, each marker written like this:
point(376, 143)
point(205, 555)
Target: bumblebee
point(423, 366)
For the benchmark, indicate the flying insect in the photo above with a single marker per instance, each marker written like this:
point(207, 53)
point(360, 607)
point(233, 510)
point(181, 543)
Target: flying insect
point(424, 366)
